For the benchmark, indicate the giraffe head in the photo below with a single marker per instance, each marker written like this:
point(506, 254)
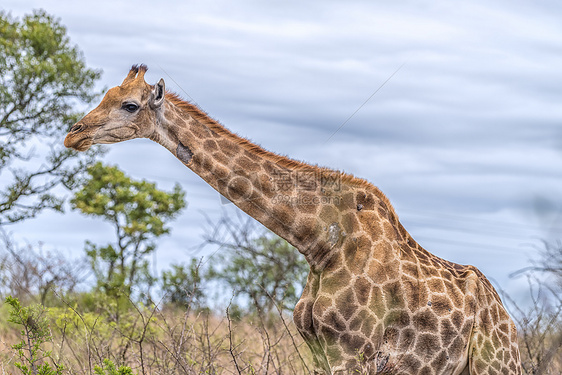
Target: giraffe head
point(126, 112)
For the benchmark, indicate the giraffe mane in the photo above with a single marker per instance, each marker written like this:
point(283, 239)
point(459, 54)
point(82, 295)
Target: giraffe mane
point(202, 117)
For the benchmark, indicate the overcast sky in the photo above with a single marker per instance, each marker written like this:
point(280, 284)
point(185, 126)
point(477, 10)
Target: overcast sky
point(465, 138)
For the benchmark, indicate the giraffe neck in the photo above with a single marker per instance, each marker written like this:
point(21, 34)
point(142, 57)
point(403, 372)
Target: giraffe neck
point(299, 202)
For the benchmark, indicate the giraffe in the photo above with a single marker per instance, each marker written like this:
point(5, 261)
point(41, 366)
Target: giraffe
point(375, 301)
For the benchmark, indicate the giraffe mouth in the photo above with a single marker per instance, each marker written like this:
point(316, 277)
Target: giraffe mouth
point(81, 144)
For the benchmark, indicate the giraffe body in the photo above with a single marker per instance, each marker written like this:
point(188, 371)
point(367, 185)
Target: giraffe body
point(396, 309)
point(375, 301)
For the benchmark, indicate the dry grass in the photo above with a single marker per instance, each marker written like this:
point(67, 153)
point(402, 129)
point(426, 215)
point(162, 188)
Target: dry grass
point(172, 341)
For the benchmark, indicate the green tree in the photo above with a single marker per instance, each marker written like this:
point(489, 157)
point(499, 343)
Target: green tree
point(138, 212)
point(34, 333)
point(257, 265)
point(182, 285)
point(43, 78)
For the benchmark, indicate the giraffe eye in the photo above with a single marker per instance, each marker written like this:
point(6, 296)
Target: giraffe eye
point(130, 107)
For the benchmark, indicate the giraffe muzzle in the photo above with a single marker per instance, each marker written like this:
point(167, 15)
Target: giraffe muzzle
point(74, 139)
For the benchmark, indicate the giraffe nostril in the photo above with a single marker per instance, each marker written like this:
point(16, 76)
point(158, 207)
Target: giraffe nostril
point(76, 128)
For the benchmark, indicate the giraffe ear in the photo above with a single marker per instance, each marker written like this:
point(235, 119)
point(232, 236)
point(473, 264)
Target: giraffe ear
point(157, 95)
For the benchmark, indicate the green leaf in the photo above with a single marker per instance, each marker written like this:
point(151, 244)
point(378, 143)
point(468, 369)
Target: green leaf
point(42, 79)
point(139, 213)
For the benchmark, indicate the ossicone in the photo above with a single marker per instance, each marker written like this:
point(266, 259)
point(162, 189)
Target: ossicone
point(136, 72)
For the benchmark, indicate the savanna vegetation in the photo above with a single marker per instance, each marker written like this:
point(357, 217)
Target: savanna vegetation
point(106, 311)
